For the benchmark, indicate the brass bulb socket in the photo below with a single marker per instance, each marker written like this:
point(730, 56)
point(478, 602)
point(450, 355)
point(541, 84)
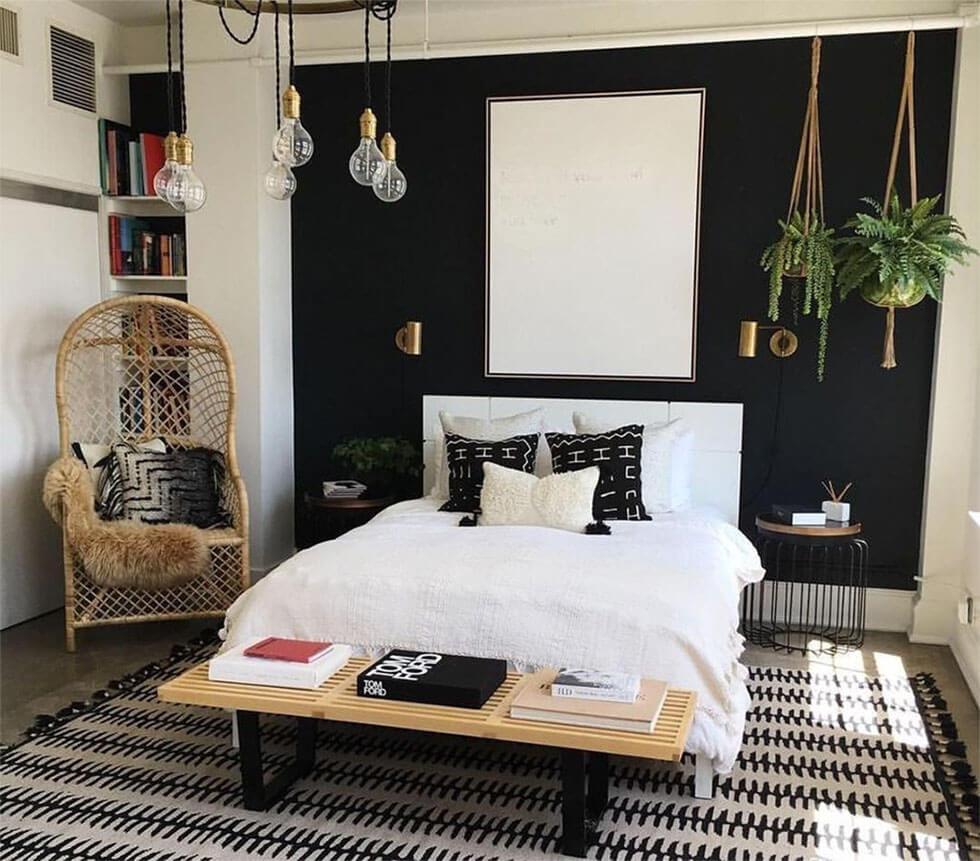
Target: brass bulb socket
point(290, 103)
point(369, 124)
point(170, 147)
point(185, 150)
point(408, 338)
point(388, 146)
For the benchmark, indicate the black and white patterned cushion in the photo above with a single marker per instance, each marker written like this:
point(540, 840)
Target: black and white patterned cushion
point(465, 459)
point(174, 487)
point(101, 463)
point(619, 495)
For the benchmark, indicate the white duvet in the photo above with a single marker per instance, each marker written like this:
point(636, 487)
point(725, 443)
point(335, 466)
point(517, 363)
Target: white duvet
point(657, 598)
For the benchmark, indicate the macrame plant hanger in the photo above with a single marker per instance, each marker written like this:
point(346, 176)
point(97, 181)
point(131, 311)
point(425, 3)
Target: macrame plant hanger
point(906, 108)
point(809, 166)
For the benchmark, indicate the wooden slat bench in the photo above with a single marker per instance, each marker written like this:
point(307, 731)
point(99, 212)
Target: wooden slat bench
point(585, 750)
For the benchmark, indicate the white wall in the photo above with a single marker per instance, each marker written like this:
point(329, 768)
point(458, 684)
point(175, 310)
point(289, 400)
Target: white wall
point(951, 539)
point(239, 273)
point(48, 274)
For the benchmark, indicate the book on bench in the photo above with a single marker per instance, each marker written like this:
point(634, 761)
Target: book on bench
point(235, 666)
point(432, 678)
point(535, 702)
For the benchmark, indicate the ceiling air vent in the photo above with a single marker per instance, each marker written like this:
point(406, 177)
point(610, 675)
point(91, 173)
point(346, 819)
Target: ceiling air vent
point(9, 43)
point(72, 70)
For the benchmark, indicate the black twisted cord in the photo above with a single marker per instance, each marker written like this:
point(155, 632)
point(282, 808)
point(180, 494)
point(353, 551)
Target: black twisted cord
point(170, 71)
point(292, 49)
point(388, 78)
point(278, 82)
point(255, 21)
point(183, 77)
point(367, 55)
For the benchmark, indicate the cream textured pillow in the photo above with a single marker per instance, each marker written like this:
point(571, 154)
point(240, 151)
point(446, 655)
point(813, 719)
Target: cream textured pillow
point(492, 430)
point(514, 498)
point(666, 461)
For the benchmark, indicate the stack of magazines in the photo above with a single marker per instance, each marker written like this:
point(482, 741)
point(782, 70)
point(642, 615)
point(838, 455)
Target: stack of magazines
point(593, 699)
point(280, 662)
point(343, 489)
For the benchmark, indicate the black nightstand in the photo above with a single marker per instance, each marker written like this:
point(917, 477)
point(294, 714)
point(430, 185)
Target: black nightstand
point(815, 588)
point(331, 518)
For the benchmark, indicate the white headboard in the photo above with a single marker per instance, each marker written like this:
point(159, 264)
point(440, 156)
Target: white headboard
point(717, 433)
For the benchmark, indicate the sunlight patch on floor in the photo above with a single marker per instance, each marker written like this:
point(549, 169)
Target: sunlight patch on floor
point(833, 705)
point(900, 706)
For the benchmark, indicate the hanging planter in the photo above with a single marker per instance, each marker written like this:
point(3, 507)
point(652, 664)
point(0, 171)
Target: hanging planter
point(899, 255)
point(804, 251)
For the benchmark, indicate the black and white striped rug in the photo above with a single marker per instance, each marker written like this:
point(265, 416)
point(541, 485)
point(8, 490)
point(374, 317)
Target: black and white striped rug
point(835, 765)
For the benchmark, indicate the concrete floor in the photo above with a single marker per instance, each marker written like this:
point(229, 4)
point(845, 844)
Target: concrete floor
point(38, 676)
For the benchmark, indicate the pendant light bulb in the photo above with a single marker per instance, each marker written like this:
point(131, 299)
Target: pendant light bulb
point(280, 181)
point(390, 184)
point(292, 145)
point(185, 191)
point(162, 176)
point(367, 162)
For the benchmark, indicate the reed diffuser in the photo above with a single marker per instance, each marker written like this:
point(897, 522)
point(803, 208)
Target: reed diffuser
point(835, 508)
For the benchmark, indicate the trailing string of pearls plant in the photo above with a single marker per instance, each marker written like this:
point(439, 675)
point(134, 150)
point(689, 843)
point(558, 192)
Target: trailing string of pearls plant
point(292, 145)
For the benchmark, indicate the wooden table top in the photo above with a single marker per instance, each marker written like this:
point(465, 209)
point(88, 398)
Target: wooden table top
point(833, 529)
point(337, 700)
point(347, 503)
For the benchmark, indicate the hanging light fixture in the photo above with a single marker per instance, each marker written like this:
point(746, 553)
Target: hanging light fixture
point(292, 144)
point(185, 191)
point(367, 162)
point(390, 184)
point(279, 181)
point(162, 176)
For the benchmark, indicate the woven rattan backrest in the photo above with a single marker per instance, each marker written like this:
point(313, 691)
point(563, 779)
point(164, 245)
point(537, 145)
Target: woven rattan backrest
point(146, 366)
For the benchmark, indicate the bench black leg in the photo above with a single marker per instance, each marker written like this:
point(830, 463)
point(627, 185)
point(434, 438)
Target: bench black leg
point(585, 793)
point(256, 793)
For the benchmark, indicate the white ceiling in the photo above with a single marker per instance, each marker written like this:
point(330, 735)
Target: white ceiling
point(129, 13)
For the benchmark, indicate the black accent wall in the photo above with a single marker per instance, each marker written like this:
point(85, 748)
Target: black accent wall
point(361, 267)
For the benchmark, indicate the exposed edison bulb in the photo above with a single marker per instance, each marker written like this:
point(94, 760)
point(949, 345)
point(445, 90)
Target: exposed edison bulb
point(292, 145)
point(185, 191)
point(280, 181)
point(162, 176)
point(390, 184)
point(367, 162)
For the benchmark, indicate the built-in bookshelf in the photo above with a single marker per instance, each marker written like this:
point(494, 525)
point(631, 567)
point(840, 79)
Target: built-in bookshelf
point(142, 241)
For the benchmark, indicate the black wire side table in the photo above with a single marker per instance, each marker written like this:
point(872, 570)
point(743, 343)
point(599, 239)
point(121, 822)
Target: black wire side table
point(814, 595)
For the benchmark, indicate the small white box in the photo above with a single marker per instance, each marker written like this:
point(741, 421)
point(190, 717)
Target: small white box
point(839, 511)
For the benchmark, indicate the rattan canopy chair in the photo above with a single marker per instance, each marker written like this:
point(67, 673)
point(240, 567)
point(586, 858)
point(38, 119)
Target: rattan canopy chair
point(134, 369)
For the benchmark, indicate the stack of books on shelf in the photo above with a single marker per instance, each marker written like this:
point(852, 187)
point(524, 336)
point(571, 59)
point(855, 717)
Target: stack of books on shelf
point(128, 160)
point(280, 662)
point(343, 489)
point(141, 246)
point(591, 699)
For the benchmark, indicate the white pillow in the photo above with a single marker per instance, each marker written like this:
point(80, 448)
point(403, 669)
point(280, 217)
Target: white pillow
point(514, 498)
point(486, 429)
point(666, 463)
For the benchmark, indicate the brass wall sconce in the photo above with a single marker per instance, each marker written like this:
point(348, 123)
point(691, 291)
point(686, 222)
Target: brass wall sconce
point(408, 338)
point(782, 344)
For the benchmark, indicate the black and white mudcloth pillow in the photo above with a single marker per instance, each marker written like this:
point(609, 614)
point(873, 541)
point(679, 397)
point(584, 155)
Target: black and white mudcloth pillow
point(174, 487)
point(101, 463)
point(465, 459)
point(617, 453)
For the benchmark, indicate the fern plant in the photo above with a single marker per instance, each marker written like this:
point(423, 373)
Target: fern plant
point(805, 252)
point(898, 256)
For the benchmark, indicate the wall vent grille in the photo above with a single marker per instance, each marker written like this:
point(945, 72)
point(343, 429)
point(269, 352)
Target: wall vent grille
point(9, 43)
point(72, 70)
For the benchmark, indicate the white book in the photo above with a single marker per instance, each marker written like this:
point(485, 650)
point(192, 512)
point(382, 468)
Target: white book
point(809, 518)
point(235, 666)
point(577, 683)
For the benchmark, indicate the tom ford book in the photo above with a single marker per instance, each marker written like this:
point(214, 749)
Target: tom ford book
point(432, 678)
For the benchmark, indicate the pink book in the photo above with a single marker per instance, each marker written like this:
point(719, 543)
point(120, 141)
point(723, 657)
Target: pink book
point(295, 651)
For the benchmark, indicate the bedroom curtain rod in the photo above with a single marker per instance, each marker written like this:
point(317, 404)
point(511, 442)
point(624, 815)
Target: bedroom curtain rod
point(968, 16)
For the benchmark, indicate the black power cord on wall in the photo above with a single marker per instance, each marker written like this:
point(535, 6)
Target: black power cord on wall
point(773, 447)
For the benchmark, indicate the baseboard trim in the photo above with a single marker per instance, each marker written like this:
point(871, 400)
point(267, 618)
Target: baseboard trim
point(958, 645)
point(889, 610)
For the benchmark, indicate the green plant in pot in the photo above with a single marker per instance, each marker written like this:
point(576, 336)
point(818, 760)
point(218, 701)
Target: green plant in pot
point(382, 464)
point(898, 256)
point(805, 251)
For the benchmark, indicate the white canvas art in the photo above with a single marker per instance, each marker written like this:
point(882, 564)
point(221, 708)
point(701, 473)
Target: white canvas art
point(593, 205)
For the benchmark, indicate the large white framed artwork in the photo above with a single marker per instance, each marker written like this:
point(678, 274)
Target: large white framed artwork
point(593, 210)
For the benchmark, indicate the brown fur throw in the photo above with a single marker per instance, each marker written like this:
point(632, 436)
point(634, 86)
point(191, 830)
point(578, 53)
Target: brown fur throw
point(120, 554)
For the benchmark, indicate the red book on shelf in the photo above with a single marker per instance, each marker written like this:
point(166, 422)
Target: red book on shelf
point(152, 146)
point(295, 651)
point(115, 252)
